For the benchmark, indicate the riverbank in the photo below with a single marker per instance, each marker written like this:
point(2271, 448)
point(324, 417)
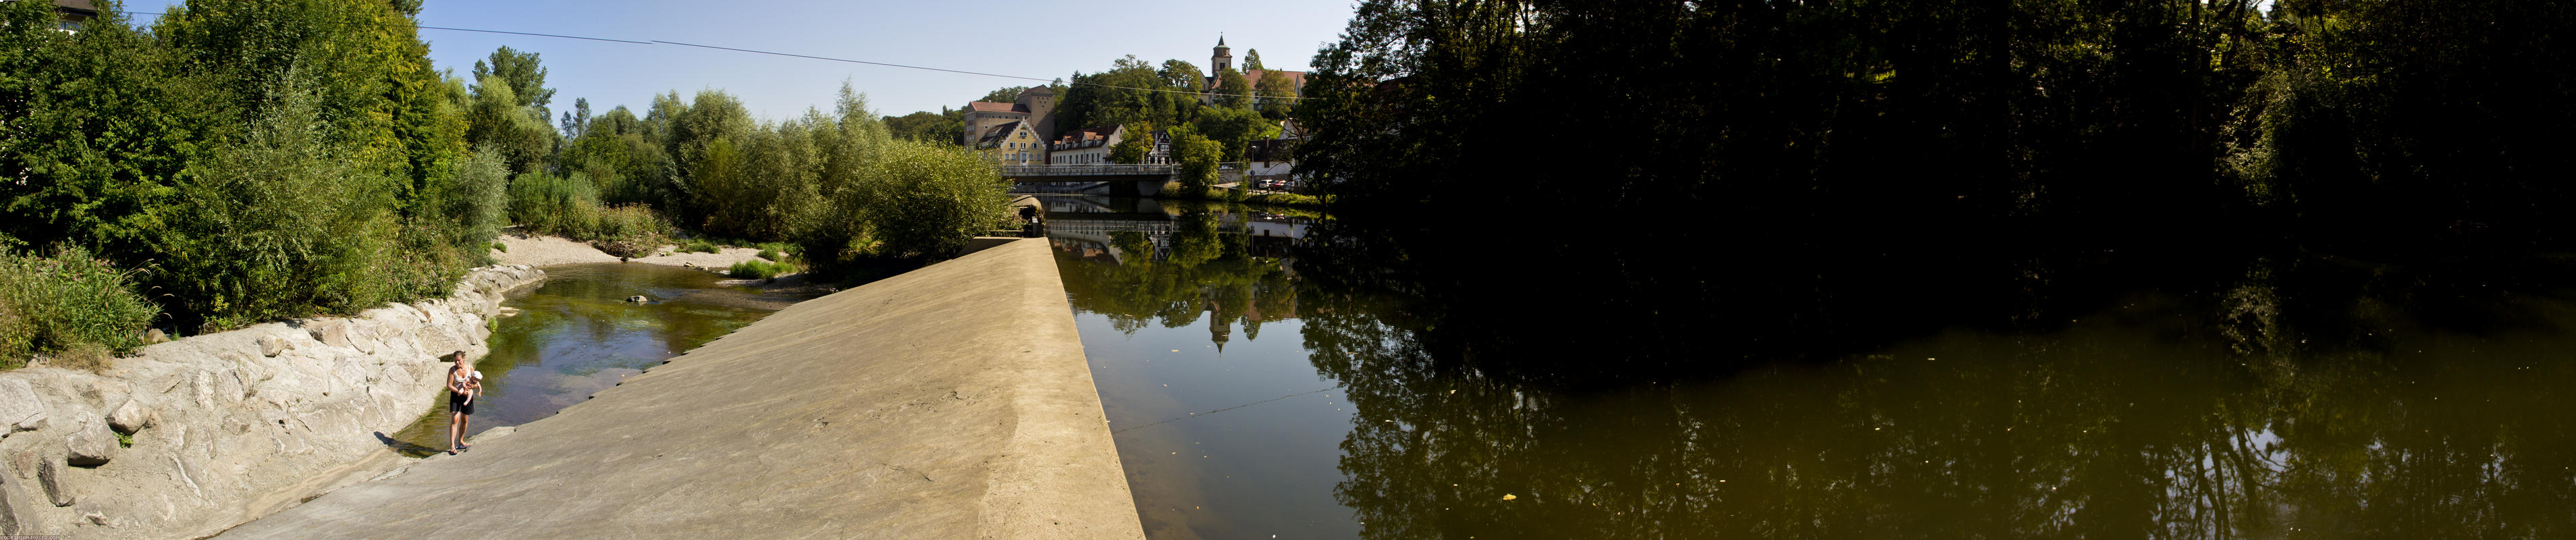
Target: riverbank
point(186, 438)
point(539, 250)
point(953, 401)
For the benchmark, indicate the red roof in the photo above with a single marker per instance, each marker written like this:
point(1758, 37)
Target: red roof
point(987, 106)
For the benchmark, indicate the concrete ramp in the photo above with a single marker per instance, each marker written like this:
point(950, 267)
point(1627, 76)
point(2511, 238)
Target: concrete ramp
point(950, 402)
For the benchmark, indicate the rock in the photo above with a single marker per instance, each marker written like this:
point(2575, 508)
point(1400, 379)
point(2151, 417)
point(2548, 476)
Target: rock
point(96, 519)
point(130, 417)
point(91, 445)
point(332, 334)
point(49, 476)
point(271, 345)
point(155, 336)
point(636, 299)
point(19, 409)
point(25, 463)
point(9, 511)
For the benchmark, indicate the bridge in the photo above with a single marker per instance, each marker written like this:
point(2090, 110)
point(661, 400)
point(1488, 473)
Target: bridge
point(1116, 179)
point(1130, 180)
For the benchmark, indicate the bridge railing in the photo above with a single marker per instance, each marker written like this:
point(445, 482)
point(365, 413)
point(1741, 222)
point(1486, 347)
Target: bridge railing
point(1114, 169)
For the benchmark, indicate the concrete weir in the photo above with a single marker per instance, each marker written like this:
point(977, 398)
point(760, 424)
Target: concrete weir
point(953, 401)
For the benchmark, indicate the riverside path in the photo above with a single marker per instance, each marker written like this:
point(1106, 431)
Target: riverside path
point(953, 401)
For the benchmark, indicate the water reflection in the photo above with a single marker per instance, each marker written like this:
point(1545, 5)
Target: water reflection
point(576, 335)
point(2105, 395)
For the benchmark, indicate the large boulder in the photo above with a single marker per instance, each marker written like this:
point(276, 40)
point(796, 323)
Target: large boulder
point(19, 409)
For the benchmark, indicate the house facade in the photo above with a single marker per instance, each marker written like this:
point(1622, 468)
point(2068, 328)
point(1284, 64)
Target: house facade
point(1084, 146)
point(1034, 109)
point(1014, 143)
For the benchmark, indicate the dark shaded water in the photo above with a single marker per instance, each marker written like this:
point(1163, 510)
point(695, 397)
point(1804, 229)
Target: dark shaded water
point(1262, 380)
point(575, 335)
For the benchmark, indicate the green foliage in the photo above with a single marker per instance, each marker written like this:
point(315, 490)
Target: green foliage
point(276, 227)
point(1233, 130)
point(519, 70)
point(476, 197)
point(758, 269)
point(630, 230)
point(1292, 200)
point(50, 305)
point(497, 122)
point(501, 247)
point(1196, 158)
point(1134, 145)
point(1274, 92)
point(925, 201)
point(945, 126)
point(698, 246)
point(1131, 93)
point(549, 204)
point(1232, 92)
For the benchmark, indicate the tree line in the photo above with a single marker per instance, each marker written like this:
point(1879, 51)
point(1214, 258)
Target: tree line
point(240, 161)
point(2102, 123)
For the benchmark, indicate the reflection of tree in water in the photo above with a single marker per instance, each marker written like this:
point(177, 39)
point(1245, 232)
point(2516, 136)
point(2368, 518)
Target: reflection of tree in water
point(2315, 398)
point(1209, 272)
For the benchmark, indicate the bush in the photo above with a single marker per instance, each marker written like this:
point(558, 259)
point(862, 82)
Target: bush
point(775, 251)
point(1285, 199)
point(699, 245)
point(630, 230)
point(71, 302)
point(282, 225)
point(497, 246)
point(560, 205)
point(758, 269)
point(925, 201)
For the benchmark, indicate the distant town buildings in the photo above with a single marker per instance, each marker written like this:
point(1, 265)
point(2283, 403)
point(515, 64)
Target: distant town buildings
point(1024, 132)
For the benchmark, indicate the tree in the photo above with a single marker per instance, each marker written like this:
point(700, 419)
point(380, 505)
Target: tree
point(1006, 94)
point(946, 126)
point(1196, 158)
point(495, 122)
point(1231, 90)
point(1233, 130)
point(1277, 95)
point(1252, 60)
point(527, 80)
point(1136, 142)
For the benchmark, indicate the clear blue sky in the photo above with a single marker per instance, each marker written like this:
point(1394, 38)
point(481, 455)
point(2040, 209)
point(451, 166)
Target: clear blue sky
point(1033, 39)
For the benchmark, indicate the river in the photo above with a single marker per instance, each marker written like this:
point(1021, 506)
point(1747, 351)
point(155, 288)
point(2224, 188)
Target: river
point(1262, 380)
point(575, 334)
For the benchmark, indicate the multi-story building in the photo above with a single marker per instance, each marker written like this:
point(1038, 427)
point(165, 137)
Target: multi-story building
point(1084, 146)
point(1014, 143)
point(1035, 109)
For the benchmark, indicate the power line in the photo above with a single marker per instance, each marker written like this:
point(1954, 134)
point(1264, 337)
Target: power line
point(775, 53)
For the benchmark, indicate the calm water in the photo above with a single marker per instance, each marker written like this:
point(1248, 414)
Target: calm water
point(2270, 398)
point(575, 335)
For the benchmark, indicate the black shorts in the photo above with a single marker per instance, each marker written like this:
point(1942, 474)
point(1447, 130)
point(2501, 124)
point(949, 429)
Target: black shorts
point(456, 404)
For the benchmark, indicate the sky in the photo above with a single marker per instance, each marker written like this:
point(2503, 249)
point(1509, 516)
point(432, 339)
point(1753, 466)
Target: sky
point(1045, 40)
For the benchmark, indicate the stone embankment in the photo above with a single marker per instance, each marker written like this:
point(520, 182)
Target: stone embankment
point(952, 401)
point(190, 437)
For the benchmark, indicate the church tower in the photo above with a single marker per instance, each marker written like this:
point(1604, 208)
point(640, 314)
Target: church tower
point(1223, 60)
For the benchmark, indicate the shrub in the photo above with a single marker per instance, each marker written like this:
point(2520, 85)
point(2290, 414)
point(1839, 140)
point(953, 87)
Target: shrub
point(504, 248)
point(698, 245)
point(71, 302)
point(925, 201)
point(559, 205)
point(630, 230)
point(758, 269)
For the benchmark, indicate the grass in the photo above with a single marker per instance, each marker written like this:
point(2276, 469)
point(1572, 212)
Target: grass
point(504, 248)
point(700, 245)
point(758, 269)
point(78, 309)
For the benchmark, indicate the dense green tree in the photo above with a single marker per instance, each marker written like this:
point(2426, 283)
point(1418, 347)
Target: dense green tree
point(946, 126)
point(1006, 94)
point(1195, 159)
point(1252, 60)
point(1136, 143)
point(1233, 130)
point(1232, 91)
point(522, 72)
point(496, 122)
point(1276, 95)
